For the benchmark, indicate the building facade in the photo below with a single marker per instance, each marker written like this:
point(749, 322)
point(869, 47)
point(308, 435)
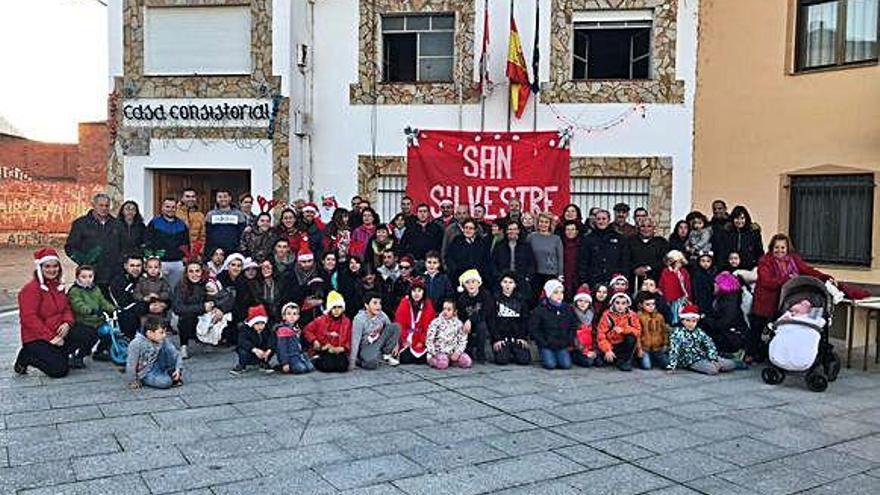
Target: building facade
point(619, 73)
point(788, 123)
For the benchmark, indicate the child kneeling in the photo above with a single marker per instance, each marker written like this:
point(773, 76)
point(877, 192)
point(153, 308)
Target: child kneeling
point(255, 344)
point(553, 326)
point(446, 340)
point(291, 356)
point(152, 359)
point(691, 348)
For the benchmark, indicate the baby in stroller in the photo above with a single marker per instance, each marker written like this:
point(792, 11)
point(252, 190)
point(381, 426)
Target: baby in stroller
point(799, 338)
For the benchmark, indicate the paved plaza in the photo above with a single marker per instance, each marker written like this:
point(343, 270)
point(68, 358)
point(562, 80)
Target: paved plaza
point(424, 432)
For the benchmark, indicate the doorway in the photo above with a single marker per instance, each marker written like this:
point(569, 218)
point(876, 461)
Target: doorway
point(206, 183)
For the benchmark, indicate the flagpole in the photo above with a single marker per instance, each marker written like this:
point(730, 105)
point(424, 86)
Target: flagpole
point(535, 58)
point(483, 70)
point(509, 85)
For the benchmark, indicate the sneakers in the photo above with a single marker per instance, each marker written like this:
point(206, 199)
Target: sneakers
point(177, 383)
point(390, 360)
point(102, 356)
point(76, 362)
point(20, 369)
point(265, 368)
point(625, 366)
point(184, 352)
point(237, 370)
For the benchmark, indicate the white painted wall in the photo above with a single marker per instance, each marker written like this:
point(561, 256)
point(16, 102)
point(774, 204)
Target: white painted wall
point(114, 39)
point(342, 131)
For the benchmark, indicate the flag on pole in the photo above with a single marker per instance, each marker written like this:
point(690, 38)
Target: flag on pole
point(517, 71)
point(485, 82)
point(536, 52)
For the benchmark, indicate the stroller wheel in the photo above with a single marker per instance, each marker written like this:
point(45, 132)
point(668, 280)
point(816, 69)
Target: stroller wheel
point(832, 368)
point(772, 376)
point(816, 382)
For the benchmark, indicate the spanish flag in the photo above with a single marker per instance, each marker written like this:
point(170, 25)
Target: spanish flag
point(517, 71)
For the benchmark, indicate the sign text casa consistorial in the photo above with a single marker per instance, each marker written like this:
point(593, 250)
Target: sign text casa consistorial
point(203, 112)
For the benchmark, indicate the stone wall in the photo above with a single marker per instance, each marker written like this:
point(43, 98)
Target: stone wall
point(369, 170)
point(661, 88)
point(370, 89)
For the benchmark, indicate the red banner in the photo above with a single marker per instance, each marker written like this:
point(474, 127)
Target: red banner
point(488, 168)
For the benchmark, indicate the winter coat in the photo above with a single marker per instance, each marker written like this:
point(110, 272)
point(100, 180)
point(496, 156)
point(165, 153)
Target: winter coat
point(168, 236)
point(243, 297)
point(249, 339)
point(350, 288)
point(189, 302)
point(570, 250)
point(445, 336)
point(726, 323)
point(360, 237)
point(601, 256)
point(699, 241)
point(770, 282)
point(648, 252)
point(462, 255)
point(89, 305)
point(437, 288)
point(89, 238)
point(130, 306)
point(288, 340)
point(626, 230)
point(704, 288)
point(686, 347)
point(746, 241)
point(258, 244)
point(523, 259)
point(42, 311)
point(419, 239)
point(268, 293)
point(194, 220)
point(675, 285)
point(677, 243)
point(628, 322)
point(132, 237)
point(553, 327)
point(510, 319)
point(147, 285)
point(327, 330)
point(414, 325)
point(223, 229)
point(476, 309)
point(655, 332)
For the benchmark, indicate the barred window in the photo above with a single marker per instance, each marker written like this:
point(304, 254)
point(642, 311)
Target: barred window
point(605, 192)
point(389, 191)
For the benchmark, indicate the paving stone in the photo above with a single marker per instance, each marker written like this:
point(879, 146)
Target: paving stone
point(617, 448)
point(541, 418)
point(4, 457)
point(854, 485)
point(279, 405)
point(193, 476)
point(283, 482)
point(590, 431)
point(319, 434)
point(196, 415)
point(52, 416)
point(37, 434)
point(444, 457)
point(143, 406)
point(152, 457)
point(544, 488)
point(61, 449)
point(221, 448)
point(367, 472)
point(722, 428)
point(622, 479)
point(519, 403)
point(510, 423)
point(770, 418)
point(666, 440)
point(449, 433)
point(684, 465)
point(528, 441)
point(222, 396)
point(305, 457)
point(829, 463)
point(186, 434)
point(794, 438)
point(649, 420)
point(391, 422)
point(744, 451)
point(774, 478)
point(35, 475)
point(113, 485)
point(585, 411)
point(84, 430)
point(866, 448)
point(842, 428)
point(491, 476)
point(388, 443)
point(675, 490)
point(587, 456)
point(409, 388)
point(713, 485)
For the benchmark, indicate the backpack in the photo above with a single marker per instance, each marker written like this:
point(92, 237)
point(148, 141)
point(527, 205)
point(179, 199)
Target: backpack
point(118, 342)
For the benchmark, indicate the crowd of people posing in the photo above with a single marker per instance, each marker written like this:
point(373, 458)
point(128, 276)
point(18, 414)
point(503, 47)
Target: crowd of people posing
point(303, 287)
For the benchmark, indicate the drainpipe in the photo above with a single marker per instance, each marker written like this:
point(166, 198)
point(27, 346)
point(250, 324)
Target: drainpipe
point(310, 99)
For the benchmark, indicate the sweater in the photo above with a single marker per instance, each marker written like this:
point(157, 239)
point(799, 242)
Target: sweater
point(223, 229)
point(548, 252)
point(142, 356)
point(445, 336)
point(686, 347)
point(168, 236)
point(655, 333)
point(510, 319)
point(148, 285)
point(628, 323)
point(366, 329)
point(89, 305)
point(42, 311)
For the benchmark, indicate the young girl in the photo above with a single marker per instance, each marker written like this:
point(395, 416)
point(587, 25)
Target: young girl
point(700, 236)
point(600, 303)
point(88, 305)
point(153, 289)
point(446, 340)
point(507, 330)
point(675, 283)
point(329, 336)
point(654, 338)
point(618, 332)
point(474, 307)
point(553, 326)
point(726, 324)
point(259, 242)
point(690, 348)
point(586, 345)
point(414, 313)
point(704, 281)
point(747, 279)
point(291, 356)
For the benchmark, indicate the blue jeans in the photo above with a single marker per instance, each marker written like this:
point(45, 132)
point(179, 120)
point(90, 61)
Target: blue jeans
point(159, 375)
point(555, 358)
point(657, 359)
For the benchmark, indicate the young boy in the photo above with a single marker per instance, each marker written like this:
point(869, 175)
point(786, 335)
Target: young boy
point(329, 336)
point(291, 356)
point(474, 307)
point(618, 332)
point(255, 344)
point(88, 305)
point(373, 335)
point(650, 285)
point(585, 351)
point(446, 340)
point(131, 307)
point(654, 338)
point(152, 359)
point(437, 284)
point(509, 328)
point(704, 281)
point(618, 283)
point(690, 348)
point(153, 289)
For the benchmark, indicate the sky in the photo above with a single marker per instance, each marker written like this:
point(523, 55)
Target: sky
point(53, 66)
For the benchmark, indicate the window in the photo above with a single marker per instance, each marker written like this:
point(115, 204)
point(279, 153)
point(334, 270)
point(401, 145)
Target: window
point(612, 44)
point(831, 218)
point(197, 40)
point(836, 32)
point(390, 190)
point(418, 48)
point(605, 192)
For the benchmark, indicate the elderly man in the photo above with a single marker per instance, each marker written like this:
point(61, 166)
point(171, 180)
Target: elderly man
point(96, 239)
point(621, 225)
point(453, 230)
point(644, 254)
point(601, 252)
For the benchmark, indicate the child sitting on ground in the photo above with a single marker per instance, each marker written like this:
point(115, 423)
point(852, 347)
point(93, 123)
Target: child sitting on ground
point(255, 344)
point(414, 313)
point(88, 305)
point(509, 328)
point(153, 289)
point(654, 339)
point(553, 326)
point(586, 349)
point(288, 335)
point(474, 307)
point(675, 283)
point(152, 359)
point(600, 303)
point(329, 336)
point(446, 340)
point(690, 348)
point(618, 332)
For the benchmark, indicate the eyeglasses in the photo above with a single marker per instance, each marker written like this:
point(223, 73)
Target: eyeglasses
point(405, 267)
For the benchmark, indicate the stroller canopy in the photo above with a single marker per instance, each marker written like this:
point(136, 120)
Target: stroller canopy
point(802, 287)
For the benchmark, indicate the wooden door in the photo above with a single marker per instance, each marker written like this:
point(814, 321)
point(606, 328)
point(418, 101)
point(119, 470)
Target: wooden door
point(205, 182)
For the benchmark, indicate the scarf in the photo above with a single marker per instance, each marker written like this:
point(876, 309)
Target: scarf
point(785, 268)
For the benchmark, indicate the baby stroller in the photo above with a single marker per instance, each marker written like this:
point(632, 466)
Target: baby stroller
point(799, 343)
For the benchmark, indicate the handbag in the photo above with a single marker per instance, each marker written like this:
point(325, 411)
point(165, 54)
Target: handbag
point(208, 331)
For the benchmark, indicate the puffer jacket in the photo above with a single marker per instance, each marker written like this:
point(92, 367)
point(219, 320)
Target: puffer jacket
point(89, 305)
point(42, 311)
point(328, 330)
point(628, 322)
point(553, 327)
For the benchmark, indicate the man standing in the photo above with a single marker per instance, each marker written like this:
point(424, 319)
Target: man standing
point(166, 234)
point(645, 253)
point(453, 229)
point(96, 239)
point(188, 211)
point(406, 205)
point(446, 214)
point(601, 252)
point(514, 213)
point(621, 215)
point(224, 225)
point(719, 215)
point(422, 236)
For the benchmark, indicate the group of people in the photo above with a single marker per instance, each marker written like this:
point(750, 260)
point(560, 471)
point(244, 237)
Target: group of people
point(301, 287)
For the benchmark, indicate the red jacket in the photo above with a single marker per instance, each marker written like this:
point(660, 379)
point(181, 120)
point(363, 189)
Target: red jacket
point(418, 329)
point(328, 330)
point(771, 280)
point(42, 311)
point(674, 288)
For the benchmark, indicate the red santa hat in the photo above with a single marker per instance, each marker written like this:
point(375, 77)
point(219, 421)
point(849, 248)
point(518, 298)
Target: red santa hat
point(312, 207)
point(618, 277)
point(305, 254)
point(689, 311)
point(583, 293)
point(256, 314)
point(46, 255)
point(329, 199)
point(620, 295)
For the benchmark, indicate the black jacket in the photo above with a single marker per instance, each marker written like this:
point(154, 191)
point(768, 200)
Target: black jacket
point(132, 237)
point(243, 297)
point(91, 242)
point(476, 309)
point(747, 242)
point(601, 256)
point(553, 328)
point(646, 252)
point(248, 338)
point(462, 255)
point(418, 239)
point(509, 319)
point(726, 324)
point(524, 259)
point(350, 289)
point(168, 236)
point(703, 286)
point(131, 308)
